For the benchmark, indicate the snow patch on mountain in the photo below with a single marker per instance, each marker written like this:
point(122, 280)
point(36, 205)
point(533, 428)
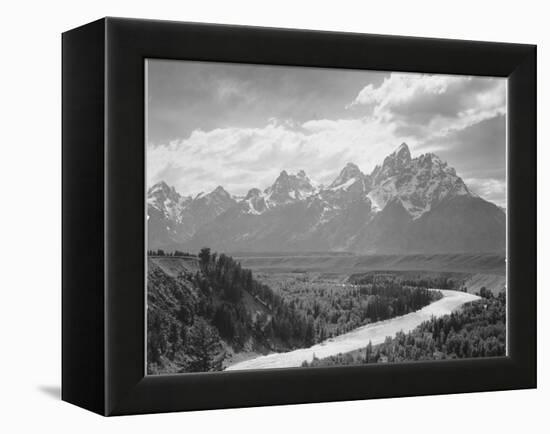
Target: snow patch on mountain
point(349, 173)
point(289, 188)
point(167, 200)
point(254, 202)
point(345, 185)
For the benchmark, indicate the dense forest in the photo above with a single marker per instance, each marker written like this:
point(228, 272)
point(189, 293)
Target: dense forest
point(161, 252)
point(337, 308)
point(196, 319)
point(435, 280)
point(478, 329)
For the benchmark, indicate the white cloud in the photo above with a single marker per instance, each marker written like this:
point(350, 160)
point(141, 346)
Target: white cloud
point(434, 105)
point(399, 88)
point(412, 108)
point(490, 189)
point(242, 158)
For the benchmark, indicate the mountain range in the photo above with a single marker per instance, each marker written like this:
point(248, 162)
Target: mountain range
point(405, 205)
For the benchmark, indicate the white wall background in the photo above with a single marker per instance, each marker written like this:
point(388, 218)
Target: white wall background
point(30, 164)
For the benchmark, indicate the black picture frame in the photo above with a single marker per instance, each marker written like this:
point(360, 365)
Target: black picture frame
point(103, 215)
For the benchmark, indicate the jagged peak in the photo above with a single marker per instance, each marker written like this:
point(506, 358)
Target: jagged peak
point(161, 185)
point(290, 187)
point(352, 169)
point(403, 147)
point(351, 165)
point(432, 160)
point(220, 191)
point(401, 156)
point(301, 174)
point(430, 156)
point(165, 190)
point(253, 192)
point(290, 179)
point(349, 172)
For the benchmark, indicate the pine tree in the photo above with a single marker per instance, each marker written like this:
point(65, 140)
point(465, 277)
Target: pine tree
point(204, 257)
point(203, 345)
point(368, 352)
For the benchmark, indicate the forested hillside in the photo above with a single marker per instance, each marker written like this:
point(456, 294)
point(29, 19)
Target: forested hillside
point(196, 319)
point(478, 329)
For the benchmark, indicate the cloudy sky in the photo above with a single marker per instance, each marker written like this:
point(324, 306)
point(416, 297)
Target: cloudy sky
point(211, 124)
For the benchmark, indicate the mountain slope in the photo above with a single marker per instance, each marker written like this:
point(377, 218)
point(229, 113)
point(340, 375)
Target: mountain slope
point(406, 205)
point(172, 219)
point(200, 311)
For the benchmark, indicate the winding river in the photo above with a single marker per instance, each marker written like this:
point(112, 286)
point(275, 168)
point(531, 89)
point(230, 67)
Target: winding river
point(360, 337)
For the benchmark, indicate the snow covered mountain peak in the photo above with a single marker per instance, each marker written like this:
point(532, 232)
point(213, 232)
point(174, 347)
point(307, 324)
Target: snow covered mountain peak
point(348, 176)
point(401, 157)
point(419, 183)
point(254, 202)
point(218, 199)
point(289, 188)
point(162, 190)
point(393, 164)
point(221, 192)
point(167, 200)
point(403, 153)
point(253, 192)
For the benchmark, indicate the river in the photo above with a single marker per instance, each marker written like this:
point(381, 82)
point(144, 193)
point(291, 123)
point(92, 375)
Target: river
point(360, 337)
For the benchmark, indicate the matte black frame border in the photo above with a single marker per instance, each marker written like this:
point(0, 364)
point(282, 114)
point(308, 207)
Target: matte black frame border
point(126, 43)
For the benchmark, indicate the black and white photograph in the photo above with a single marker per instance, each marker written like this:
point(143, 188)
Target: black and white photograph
point(286, 217)
point(310, 217)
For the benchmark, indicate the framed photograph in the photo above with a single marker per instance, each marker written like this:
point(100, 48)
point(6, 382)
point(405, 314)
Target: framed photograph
point(258, 216)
